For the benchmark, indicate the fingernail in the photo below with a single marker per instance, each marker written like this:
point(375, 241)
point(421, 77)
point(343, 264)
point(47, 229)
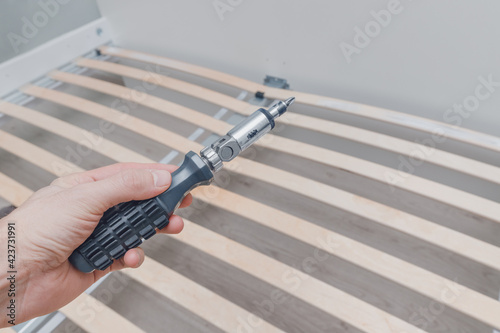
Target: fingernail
point(137, 259)
point(161, 178)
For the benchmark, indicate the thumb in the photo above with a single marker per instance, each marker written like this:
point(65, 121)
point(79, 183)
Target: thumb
point(126, 185)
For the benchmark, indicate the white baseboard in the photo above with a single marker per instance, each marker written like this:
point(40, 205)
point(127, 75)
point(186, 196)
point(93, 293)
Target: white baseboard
point(33, 64)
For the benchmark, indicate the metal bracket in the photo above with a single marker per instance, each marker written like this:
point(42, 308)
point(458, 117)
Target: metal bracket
point(276, 82)
point(270, 81)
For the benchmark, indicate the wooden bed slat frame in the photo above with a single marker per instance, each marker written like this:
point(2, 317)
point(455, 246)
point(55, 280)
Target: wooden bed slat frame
point(469, 303)
point(438, 157)
point(12, 191)
point(348, 249)
point(32, 153)
point(187, 293)
point(392, 117)
point(104, 319)
point(433, 233)
point(145, 275)
point(165, 281)
point(168, 288)
point(439, 192)
point(311, 290)
point(70, 132)
point(192, 296)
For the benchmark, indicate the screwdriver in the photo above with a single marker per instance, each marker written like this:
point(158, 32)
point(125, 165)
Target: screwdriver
point(129, 224)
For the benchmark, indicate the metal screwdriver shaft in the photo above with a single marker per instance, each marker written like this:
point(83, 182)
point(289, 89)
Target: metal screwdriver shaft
point(128, 224)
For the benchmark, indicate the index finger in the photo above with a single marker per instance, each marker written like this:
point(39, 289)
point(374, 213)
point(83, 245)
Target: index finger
point(107, 171)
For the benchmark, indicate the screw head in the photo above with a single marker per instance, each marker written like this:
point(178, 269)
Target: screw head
point(226, 152)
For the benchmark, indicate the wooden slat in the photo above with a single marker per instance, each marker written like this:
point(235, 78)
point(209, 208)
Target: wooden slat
point(194, 297)
point(406, 274)
point(157, 277)
point(225, 314)
point(103, 320)
point(389, 267)
point(438, 157)
point(310, 290)
point(70, 132)
point(367, 111)
point(307, 232)
point(352, 251)
point(119, 118)
point(316, 292)
point(442, 193)
point(190, 295)
point(13, 191)
point(310, 233)
point(35, 155)
point(379, 263)
point(164, 280)
point(409, 224)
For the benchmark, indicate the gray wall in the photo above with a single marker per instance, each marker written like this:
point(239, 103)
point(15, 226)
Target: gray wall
point(427, 59)
point(26, 24)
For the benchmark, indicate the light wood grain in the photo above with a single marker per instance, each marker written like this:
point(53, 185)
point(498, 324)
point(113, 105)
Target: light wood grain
point(255, 264)
point(40, 157)
point(409, 276)
point(392, 218)
point(302, 230)
point(225, 314)
point(389, 267)
point(438, 157)
point(448, 195)
point(94, 316)
point(13, 191)
point(367, 111)
point(71, 132)
point(197, 299)
point(309, 289)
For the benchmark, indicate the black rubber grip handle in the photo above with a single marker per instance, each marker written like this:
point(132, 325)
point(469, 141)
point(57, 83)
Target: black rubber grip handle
point(128, 224)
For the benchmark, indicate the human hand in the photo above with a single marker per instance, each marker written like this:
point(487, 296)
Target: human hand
point(53, 222)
